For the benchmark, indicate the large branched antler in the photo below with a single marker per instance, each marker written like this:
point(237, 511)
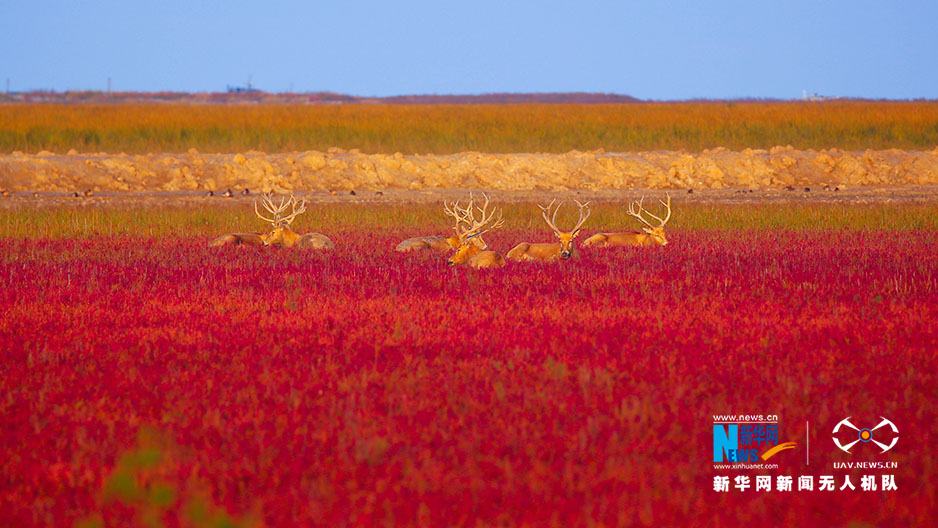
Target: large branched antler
point(278, 211)
point(545, 211)
point(467, 225)
point(479, 226)
point(636, 209)
point(298, 208)
point(585, 212)
point(551, 220)
point(275, 210)
point(459, 213)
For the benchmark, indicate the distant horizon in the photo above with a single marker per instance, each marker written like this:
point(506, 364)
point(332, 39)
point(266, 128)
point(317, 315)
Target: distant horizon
point(242, 91)
point(676, 51)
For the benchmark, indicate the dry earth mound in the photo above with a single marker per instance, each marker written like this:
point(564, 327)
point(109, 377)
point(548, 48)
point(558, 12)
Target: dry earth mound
point(338, 169)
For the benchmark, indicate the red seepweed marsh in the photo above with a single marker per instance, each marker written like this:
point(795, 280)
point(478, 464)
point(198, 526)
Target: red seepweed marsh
point(293, 387)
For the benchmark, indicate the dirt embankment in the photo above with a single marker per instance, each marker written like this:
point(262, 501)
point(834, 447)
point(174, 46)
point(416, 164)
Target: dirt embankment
point(339, 170)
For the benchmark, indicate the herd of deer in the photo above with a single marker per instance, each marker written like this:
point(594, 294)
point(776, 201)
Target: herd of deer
point(468, 246)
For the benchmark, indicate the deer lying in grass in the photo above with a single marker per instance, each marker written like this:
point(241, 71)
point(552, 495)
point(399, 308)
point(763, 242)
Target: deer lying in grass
point(472, 250)
point(564, 248)
point(439, 243)
point(652, 236)
point(281, 235)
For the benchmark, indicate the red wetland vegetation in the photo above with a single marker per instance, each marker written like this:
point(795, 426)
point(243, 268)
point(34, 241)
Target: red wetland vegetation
point(147, 379)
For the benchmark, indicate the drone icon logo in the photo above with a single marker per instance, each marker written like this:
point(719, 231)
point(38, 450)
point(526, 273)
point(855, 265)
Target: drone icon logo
point(865, 435)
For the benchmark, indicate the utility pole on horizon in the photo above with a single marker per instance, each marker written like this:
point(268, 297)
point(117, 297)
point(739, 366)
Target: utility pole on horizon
point(108, 85)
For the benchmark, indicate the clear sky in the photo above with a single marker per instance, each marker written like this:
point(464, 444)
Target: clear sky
point(652, 49)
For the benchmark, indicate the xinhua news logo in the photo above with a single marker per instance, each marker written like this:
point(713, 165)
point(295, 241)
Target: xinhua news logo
point(746, 440)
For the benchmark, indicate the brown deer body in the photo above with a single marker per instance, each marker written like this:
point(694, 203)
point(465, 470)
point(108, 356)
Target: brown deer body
point(545, 252)
point(564, 248)
point(281, 235)
point(477, 258)
point(238, 239)
point(651, 236)
point(623, 239)
point(436, 242)
point(439, 243)
point(285, 237)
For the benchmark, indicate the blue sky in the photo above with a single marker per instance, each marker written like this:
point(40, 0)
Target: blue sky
point(652, 50)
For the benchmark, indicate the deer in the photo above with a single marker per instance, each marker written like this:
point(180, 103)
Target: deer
point(564, 248)
point(652, 236)
point(281, 235)
point(441, 243)
point(472, 250)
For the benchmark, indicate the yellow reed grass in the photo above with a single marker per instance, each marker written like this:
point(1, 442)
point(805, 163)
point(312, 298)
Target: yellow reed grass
point(454, 128)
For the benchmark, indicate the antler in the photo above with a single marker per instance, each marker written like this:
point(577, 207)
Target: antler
point(552, 221)
point(298, 209)
point(583, 217)
point(546, 211)
point(461, 214)
point(278, 210)
point(268, 204)
point(476, 226)
point(638, 214)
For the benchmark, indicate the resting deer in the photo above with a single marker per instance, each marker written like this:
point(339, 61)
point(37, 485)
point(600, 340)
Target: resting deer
point(472, 250)
point(652, 236)
point(549, 252)
point(281, 235)
point(440, 243)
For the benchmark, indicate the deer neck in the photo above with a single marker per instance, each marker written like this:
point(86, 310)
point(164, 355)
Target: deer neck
point(473, 250)
point(282, 236)
point(288, 236)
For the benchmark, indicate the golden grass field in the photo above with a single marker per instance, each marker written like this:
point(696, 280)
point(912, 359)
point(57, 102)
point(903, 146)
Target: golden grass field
point(444, 129)
point(206, 219)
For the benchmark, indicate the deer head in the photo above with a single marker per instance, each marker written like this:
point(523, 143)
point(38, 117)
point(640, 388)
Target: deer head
point(565, 237)
point(655, 232)
point(281, 235)
point(470, 237)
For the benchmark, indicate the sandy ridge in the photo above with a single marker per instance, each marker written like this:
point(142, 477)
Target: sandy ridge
point(340, 170)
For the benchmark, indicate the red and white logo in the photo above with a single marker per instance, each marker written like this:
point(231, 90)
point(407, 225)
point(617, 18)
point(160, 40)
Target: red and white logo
point(865, 435)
